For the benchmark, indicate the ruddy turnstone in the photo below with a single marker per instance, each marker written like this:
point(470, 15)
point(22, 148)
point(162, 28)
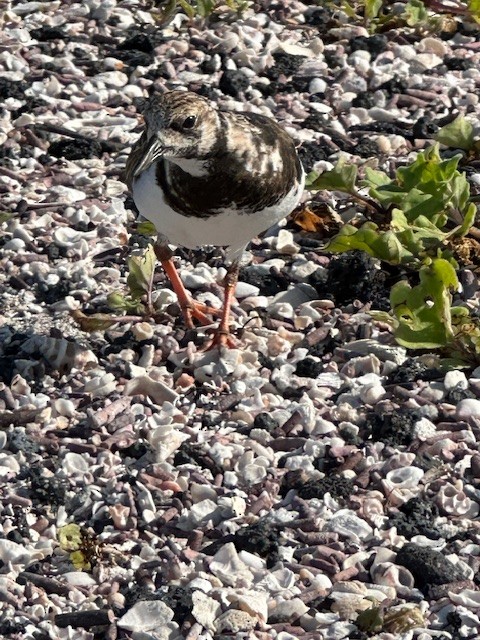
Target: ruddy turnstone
point(209, 177)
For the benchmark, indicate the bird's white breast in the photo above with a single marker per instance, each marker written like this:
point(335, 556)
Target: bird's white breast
point(228, 228)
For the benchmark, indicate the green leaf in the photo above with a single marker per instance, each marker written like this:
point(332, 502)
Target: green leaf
point(188, 9)
point(424, 311)
point(5, 217)
point(372, 8)
point(116, 300)
point(341, 178)
point(141, 270)
point(69, 537)
point(374, 178)
point(474, 9)
point(415, 12)
point(384, 245)
point(146, 228)
point(467, 224)
point(457, 134)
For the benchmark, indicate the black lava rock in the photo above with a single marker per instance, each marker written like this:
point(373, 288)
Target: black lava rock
point(12, 89)
point(395, 428)
point(416, 517)
point(354, 276)
point(424, 128)
point(46, 33)
point(373, 44)
point(179, 599)
point(428, 567)
point(75, 149)
point(455, 395)
point(52, 293)
point(137, 42)
point(366, 99)
point(265, 421)
point(411, 370)
point(19, 441)
point(318, 17)
point(269, 283)
point(261, 538)
point(366, 148)
point(393, 86)
point(308, 488)
point(286, 64)
point(309, 368)
point(458, 64)
point(46, 490)
point(233, 82)
point(312, 152)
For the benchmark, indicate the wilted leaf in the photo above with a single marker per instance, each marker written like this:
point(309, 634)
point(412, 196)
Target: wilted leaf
point(459, 133)
point(95, 322)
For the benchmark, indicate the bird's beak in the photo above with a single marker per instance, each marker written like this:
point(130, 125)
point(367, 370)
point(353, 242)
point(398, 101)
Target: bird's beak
point(153, 150)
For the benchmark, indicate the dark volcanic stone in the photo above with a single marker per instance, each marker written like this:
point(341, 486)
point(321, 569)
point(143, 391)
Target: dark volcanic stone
point(354, 276)
point(428, 567)
point(12, 89)
point(416, 517)
point(395, 428)
point(374, 44)
point(46, 490)
point(286, 64)
point(424, 128)
point(366, 99)
point(413, 369)
point(233, 82)
point(52, 293)
point(394, 85)
point(137, 42)
point(265, 421)
point(19, 441)
point(269, 283)
point(75, 149)
point(309, 368)
point(311, 152)
point(308, 488)
point(458, 64)
point(366, 148)
point(260, 538)
point(179, 599)
point(46, 33)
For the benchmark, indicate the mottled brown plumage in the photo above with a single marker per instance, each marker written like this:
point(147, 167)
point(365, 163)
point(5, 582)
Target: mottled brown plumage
point(205, 176)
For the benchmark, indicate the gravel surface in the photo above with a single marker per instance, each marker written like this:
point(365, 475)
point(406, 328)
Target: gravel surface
point(318, 482)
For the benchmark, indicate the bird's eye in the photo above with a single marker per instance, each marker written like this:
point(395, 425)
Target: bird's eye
point(189, 122)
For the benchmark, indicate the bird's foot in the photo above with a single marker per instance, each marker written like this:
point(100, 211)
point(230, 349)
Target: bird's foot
point(221, 339)
point(191, 309)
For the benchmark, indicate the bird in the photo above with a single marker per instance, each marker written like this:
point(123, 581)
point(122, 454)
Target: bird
point(206, 176)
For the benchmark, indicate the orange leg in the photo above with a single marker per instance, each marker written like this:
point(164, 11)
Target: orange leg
point(190, 308)
point(222, 336)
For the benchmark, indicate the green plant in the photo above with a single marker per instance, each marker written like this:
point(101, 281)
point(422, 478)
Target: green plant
point(420, 215)
point(424, 15)
point(200, 8)
point(137, 300)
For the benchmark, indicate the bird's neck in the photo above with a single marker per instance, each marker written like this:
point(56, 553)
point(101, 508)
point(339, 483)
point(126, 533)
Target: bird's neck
point(193, 166)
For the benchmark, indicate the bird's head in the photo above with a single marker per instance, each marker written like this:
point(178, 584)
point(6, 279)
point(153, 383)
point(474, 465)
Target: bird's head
point(180, 126)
